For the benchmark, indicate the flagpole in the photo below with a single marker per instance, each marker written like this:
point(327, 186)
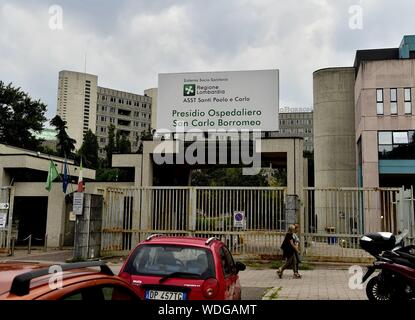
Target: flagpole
point(69, 174)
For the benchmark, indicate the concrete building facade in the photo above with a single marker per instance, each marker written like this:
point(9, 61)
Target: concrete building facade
point(37, 211)
point(298, 123)
point(77, 101)
point(129, 113)
point(364, 133)
point(86, 106)
point(385, 119)
point(152, 93)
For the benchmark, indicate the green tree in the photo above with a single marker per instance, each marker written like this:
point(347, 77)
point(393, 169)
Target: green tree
point(124, 145)
point(89, 150)
point(66, 145)
point(144, 135)
point(110, 147)
point(227, 177)
point(19, 117)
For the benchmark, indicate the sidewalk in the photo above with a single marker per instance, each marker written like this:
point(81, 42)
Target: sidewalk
point(39, 255)
point(320, 284)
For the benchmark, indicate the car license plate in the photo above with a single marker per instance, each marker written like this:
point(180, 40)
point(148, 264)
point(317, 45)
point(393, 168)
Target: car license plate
point(165, 295)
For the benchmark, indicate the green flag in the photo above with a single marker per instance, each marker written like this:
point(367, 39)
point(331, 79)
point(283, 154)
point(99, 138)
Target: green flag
point(52, 175)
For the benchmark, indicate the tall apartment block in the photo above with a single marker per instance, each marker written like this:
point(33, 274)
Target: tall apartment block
point(295, 123)
point(77, 103)
point(130, 114)
point(84, 105)
point(298, 123)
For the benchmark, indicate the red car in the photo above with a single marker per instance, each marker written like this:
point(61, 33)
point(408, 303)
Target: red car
point(183, 268)
point(78, 281)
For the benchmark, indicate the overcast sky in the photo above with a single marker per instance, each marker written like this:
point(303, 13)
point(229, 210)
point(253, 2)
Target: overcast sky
point(129, 42)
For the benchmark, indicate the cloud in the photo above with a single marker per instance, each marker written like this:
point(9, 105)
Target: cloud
point(129, 42)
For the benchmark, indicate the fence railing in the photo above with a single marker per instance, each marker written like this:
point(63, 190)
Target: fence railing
point(336, 218)
point(131, 214)
point(332, 219)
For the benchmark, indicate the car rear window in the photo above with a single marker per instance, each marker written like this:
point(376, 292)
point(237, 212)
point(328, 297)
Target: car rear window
point(162, 260)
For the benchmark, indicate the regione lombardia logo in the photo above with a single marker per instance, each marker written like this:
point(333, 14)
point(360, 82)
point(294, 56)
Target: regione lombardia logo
point(189, 90)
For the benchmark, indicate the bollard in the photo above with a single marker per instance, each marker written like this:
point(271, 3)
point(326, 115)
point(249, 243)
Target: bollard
point(60, 241)
point(29, 247)
point(45, 246)
point(13, 241)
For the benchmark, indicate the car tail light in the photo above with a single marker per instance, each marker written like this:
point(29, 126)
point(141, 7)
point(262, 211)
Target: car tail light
point(210, 288)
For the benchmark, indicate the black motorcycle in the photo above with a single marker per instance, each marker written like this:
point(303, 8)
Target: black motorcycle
point(396, 262)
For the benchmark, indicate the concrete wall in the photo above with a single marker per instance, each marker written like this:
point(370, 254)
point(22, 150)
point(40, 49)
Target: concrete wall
point(56, 206)
point(129, 161)
point(40, 164)
point(55, 222)
point(293, 147)
point(99, 187)
point(334, 128)
point(384, 74)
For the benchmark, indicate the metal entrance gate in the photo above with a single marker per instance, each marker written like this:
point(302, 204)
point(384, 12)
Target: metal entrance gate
point(6, 217)
point(250, 220)
point(332, 220)
point(336, 218)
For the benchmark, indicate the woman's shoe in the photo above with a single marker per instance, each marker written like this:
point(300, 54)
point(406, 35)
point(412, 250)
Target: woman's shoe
point(279, 272)
point(297, 276)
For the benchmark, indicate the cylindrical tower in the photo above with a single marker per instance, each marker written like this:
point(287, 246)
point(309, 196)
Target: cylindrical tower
point(334, 127)
point(334, 145)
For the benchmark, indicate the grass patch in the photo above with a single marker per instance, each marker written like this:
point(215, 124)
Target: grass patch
point(276, 264)
point(274, 294)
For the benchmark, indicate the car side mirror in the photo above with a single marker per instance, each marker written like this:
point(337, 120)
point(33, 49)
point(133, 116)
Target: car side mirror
point(239, 266)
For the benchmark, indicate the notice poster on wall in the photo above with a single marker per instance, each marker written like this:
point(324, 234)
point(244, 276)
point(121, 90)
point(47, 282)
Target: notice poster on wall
point(3, 220)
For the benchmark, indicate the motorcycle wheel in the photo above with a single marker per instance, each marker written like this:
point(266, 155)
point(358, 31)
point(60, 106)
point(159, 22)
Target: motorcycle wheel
point(375, 291)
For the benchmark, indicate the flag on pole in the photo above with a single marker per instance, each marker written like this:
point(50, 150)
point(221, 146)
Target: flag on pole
point(52, 175)
point(65, 176)
point(80, 180)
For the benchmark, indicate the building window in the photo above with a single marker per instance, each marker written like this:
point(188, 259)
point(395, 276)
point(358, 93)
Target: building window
point(379, 101)
point(408, 103)
point(103, 140)
point(396, 145)
point(103, 119)
point(394, 101)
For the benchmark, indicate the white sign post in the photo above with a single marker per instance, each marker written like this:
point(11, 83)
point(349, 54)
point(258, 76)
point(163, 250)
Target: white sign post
point(78, 203)
point(3, 220)
point(239, 220)
point(228, 100)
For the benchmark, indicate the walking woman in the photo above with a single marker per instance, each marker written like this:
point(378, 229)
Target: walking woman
point(290, 251)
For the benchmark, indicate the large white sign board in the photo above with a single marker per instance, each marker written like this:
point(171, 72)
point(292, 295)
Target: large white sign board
point(247, 100)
